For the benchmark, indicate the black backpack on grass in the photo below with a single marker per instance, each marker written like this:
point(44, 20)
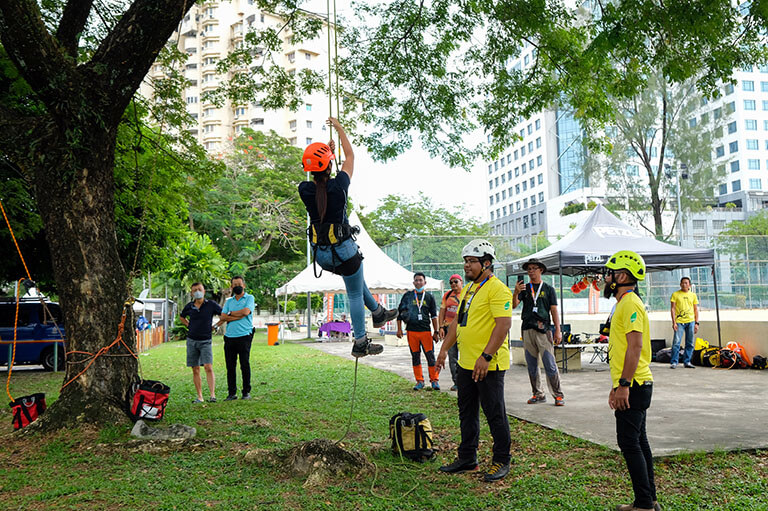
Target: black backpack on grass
point(411, 435)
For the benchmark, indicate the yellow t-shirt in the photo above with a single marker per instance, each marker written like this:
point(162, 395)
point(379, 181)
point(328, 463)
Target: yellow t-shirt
point(492, 300)
point(684, 303)
point(629, 316)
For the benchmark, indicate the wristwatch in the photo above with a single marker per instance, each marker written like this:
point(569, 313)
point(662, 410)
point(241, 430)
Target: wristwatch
point(486, 356)
point(623, 382)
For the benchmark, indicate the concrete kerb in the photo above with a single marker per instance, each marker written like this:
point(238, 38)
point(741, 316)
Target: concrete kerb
point(693, 410)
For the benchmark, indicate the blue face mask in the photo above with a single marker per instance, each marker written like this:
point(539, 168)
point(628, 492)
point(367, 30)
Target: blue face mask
point(420, 289)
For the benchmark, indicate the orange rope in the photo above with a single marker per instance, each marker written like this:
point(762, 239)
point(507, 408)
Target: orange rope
point(14, 240)
point(105, 349)
point(13, 355)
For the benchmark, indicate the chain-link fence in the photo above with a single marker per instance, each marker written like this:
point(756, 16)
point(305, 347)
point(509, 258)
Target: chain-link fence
point(741, 263)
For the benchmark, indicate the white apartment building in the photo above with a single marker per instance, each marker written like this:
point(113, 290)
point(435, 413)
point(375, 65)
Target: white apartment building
point(207, 34)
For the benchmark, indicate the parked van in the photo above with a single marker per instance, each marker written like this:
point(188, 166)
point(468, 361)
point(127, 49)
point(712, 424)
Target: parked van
point(36, 333)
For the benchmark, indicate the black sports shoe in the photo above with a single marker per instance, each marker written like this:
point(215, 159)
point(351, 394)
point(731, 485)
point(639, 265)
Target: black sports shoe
point(363, 347)
point(497, 472)
point(230, 397)
point(246, 396)
point(459, 465)
point(381, 316)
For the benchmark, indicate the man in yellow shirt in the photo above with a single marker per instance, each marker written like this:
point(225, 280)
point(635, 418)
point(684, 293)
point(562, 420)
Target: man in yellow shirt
point(481, 328)
point(685, 318)
point(629, 354)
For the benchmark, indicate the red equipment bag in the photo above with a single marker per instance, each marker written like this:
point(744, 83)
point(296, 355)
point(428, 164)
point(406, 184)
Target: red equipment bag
point(27, 409)
point(149, 400)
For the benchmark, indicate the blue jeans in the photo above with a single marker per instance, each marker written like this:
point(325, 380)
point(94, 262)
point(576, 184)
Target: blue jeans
point(688, 329)
point(358, 294)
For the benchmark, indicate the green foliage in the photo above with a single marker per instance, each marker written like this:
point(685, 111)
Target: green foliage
point(399, 217)
point(196, 259)
point(287, 307)
point(570, 209)
point(652, 131)
point(301, 301)
point(254, 203)
point(442, 68)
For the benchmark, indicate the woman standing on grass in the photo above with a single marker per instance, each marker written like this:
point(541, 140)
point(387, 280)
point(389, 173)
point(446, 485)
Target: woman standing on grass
point(332, 238)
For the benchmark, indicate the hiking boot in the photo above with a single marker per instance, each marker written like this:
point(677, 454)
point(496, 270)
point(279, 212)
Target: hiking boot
point(230, 397)
point(630, 507)
point(537, 399)
point(363, 347)
point(435, 386)
point(497, 472)
point(689, 365)
point(459, 465)
point(419, 385)
point(381, 316)
point(559, 401)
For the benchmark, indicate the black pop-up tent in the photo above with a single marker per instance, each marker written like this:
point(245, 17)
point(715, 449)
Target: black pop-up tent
point(587, 248)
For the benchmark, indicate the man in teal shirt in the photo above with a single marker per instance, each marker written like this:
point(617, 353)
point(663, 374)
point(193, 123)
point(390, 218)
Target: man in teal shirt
point(237, 313)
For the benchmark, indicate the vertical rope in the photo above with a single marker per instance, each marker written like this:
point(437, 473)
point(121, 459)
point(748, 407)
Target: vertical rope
point(14, 241)
point(336, 67)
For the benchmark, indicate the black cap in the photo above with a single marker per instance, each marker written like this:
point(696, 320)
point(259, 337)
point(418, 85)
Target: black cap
point(536, 262)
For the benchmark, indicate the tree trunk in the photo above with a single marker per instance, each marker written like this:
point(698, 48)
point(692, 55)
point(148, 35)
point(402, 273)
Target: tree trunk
point(75, 195)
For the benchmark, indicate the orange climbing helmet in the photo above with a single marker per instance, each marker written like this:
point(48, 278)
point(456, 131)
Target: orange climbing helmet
point(317, 157)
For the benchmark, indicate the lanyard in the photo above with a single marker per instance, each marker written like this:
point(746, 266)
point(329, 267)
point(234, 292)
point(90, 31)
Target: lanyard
point(536, 296)
point(416, 296)
point(472, 296)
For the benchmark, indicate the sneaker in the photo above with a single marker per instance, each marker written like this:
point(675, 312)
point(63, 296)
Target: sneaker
point(459, 465)
point(211, 399)
point(454, 388)
point(363, 347)
point(194, 402)
point(497, 472)
point(559, 401)
point(537, 399)
point(246, 396)
point(673, 366)
point(381, 316)
point(435, 386)
point(419, 385)
point(689, 365)
point(230, 397)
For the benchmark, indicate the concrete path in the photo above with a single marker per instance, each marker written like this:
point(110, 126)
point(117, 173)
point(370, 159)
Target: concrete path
point(698, 409)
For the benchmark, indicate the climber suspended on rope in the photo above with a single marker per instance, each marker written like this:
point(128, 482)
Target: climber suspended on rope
point(333, 239)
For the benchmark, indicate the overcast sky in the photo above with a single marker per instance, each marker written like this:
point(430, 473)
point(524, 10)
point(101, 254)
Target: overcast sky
point(412, 172)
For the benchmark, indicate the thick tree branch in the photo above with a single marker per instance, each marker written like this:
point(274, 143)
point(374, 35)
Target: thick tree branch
point(72, 22)
point(125, 56)
point(35, 52)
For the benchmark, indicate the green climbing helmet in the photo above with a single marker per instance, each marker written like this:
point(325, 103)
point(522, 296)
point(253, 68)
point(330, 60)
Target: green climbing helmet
point(627, 260)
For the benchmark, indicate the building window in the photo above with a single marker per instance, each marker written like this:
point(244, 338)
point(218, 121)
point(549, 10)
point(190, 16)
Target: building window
point(491, 215)
point(533, 219)
point(750, 124)
point(309, 140)
point(730, 107)
point(747, 85)
point(538, 161)
point(517, 205)
point(692, 123)
point(755, 184)
point(525, 185)
point(503, 178)
point(509, 159)
point(538, 123)
point(517, 189)
point(515, 153)
point(733, 146)
point(209, 128)
point(503, 194)
point(538, 142)
point(522, 151)
point(633, 170)
point(525, 222)
point(530, 165)
point(497, 198)
point(490, 184)
point(541, 196)
point(765, 125)
point(735, 166)
point(522, 168)
point(530, 129)
point(723, 189)
point(752, 144)
point(490, 169)
point(732, 127)
point(717, 113)
point(307, 56)
point(522, 133)
point(540, 178)
point(753, 164)
point(765, 105)
point(496, 181)
point(292, 124)
point(509, 175)
point(239, 111)
point(736, 185)
point(257, 122)
point(191, 99)
point(728, 88)
point(699, 225)
point(293, 140)
point(490, 200)
point(308, 107)
point(533, 200)
point(719, 151)
point(750, 104)
point(530, 146)
point(532, 182)
point(517, 171)
point(496, 165)
point(504, 210)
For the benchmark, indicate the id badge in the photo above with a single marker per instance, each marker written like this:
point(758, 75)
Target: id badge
point(535, 309)
point(420, 317)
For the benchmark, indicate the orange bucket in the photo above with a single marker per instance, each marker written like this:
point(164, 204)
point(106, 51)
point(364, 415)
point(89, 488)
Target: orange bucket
point(272, 331)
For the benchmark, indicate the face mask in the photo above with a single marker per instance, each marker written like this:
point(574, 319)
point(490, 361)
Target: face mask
point(197, 295)
point(237, 290)
point(420, 289)
point(609, 290)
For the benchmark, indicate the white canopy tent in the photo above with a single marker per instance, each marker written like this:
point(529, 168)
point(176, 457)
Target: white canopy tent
point(382, 274)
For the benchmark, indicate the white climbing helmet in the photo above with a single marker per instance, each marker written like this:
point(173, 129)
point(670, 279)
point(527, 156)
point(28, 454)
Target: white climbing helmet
point(478, 248)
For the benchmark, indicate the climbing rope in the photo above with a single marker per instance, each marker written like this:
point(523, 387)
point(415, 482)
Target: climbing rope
point(351, 406)
point(15, 326)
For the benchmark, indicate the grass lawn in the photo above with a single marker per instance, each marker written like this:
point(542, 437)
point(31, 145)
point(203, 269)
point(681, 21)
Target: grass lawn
point(300, 394)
